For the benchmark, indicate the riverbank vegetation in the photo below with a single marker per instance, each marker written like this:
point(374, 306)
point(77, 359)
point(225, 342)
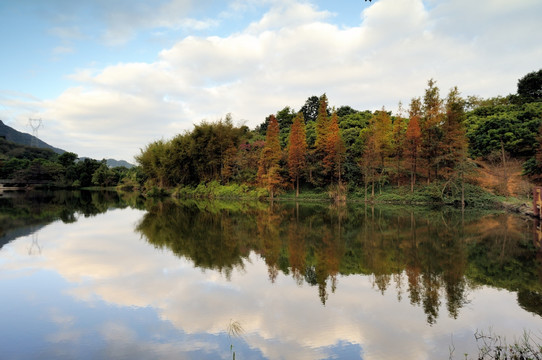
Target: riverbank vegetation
point(440, 149)
point(449, 150)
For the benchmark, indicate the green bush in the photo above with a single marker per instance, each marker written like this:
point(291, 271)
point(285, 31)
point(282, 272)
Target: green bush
point(214, 190)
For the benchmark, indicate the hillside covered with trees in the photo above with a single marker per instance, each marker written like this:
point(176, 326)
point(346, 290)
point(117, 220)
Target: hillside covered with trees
point(21, 164)
point(436, 140)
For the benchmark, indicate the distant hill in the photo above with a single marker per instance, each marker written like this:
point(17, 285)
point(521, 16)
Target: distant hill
point(18, 137)
point(115, 163)
point(25, 139)
point(112, 162)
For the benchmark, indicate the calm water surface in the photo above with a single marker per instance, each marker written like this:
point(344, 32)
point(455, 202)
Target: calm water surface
point(97, 276)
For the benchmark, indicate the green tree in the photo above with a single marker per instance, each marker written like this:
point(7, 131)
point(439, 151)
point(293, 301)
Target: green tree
point(530, 87)
point(104, 176)
point(454, 143)
point(211, 149)
point(152, 160)
point(85, 169)
point(285, 118)
point(310, 108)
point(430, 127)
point(67, 159)
point(515, 127)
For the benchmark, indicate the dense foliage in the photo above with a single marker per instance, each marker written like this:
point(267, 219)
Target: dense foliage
point(431, 142)
point(25, 165)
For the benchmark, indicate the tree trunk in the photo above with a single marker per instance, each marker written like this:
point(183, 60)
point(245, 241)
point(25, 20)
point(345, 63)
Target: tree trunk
point(398, 169)
point(412, 180)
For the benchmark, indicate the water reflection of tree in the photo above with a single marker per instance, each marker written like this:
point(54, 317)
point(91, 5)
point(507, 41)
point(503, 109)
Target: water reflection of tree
point(26, 210)
point(268, 224)
point(213, 240)
point(432, 256)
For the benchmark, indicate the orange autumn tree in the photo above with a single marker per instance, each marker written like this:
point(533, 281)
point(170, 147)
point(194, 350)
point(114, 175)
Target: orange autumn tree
point(269, 168)
point(413, 139)
point(297, 150)
point(318, 150)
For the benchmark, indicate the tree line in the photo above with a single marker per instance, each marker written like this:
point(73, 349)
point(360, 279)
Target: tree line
point(22, 164)
point(432, 140)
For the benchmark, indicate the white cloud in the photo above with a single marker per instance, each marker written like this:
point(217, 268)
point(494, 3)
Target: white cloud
point(293, 51)
point(287, 14)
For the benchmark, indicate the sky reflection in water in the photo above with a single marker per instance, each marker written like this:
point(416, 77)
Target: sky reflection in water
point(118, 285)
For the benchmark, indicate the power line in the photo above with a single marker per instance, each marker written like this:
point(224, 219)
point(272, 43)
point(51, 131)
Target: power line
point(35, 124)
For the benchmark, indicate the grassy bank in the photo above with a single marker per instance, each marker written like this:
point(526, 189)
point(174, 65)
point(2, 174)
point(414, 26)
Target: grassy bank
point(435, 194)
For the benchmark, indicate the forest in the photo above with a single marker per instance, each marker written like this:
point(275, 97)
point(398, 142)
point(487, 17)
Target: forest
point(435, 140)
point(22, 164)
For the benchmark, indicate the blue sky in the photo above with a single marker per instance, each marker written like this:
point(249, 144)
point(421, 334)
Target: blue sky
point(108, 77)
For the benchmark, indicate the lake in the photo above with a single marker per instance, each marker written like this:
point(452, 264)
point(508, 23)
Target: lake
point(98, 275)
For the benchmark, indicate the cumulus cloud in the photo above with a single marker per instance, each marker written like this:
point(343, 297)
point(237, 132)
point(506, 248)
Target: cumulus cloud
point(292, 52)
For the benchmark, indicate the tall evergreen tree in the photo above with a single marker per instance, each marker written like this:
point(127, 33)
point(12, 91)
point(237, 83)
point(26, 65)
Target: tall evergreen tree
point(382, 137)
point(430, 126)
point(454, 141)
point(269, 168)
point(318, 150)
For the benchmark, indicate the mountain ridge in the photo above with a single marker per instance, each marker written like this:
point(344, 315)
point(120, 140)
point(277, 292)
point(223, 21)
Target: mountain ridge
point(17, 137)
